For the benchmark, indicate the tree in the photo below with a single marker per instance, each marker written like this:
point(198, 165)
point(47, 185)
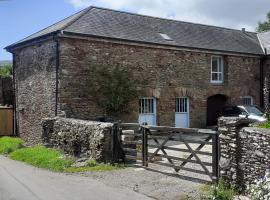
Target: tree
point(5, 70)
point(264, 26)
point(113, 88)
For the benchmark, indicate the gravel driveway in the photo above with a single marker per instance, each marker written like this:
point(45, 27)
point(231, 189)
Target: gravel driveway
point(157, 181)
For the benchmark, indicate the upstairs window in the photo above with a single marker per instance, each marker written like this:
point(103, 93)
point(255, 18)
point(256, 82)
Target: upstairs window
point(248, 100)
point(217, 69)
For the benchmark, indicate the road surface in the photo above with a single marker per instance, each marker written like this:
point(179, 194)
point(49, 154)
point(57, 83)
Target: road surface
point(22, 182)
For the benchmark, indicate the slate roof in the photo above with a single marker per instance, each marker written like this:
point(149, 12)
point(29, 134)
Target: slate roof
point(102, 22)
point(265, 41)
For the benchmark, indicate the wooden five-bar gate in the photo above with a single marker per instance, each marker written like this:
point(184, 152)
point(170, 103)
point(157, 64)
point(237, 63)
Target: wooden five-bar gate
point(153, 144)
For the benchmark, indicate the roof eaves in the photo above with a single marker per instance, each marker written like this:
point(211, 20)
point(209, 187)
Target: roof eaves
point(153, 43)
point(15, 45)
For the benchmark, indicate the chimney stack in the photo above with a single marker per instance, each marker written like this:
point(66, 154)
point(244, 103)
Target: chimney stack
point(243, 30)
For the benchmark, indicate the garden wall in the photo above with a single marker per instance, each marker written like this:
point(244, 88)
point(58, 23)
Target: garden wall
point(245, 151)
point(80, 138)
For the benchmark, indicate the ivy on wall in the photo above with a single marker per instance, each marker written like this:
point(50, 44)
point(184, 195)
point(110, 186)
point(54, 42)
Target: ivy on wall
point(113, 88)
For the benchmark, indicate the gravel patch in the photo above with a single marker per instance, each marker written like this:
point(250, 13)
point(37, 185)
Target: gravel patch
point(157, 181)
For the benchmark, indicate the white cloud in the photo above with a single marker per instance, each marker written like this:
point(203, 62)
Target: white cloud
point(229, 13)
point(80, 3)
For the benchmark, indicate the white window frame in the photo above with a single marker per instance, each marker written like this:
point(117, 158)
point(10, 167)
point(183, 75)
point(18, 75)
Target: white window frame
point(250, 98)
point(183, 108)
point(147, 100)
point(221, 72)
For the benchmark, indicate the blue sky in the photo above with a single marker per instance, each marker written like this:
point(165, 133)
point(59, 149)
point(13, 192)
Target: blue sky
point(20, 18)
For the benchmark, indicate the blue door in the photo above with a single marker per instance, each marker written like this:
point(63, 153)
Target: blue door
point(147, 110)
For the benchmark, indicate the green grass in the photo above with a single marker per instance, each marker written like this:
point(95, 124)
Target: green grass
point(93, 165)
point(222, 191)
point(265, 125)
point(9, 144)
point(100, 167)
point(51, 159)
point(42, 157)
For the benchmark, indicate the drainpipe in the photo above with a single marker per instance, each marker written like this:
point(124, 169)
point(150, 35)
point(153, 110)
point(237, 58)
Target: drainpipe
point(262, 79)
point(15, 120)
point(57, 73)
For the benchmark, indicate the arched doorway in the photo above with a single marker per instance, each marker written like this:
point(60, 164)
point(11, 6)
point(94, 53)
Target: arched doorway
point(215, 104)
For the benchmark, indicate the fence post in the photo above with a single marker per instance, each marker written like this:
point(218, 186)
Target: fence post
point(215, 156)
point(144, 146)
point(118, 153)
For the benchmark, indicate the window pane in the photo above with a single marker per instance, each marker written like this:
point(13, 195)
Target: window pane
point(214, 76)
point(214, 65)
point(247, 100)
point(146, 106)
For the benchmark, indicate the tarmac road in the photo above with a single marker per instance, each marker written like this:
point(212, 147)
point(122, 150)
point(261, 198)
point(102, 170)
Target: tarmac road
point(22, 182)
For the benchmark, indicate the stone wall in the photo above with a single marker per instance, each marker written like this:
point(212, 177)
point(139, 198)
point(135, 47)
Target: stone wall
point(80, 138)
point(35, 79)
point(6, 91)
point(245, 151)
point(162, 73)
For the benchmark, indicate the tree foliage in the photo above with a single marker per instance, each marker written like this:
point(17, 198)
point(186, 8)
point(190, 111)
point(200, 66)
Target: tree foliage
point(5, 70)
point(113, 88)
point(264, 26)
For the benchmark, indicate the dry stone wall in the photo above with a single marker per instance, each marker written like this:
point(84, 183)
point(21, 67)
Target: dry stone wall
point(79, 138)
point(244, 151)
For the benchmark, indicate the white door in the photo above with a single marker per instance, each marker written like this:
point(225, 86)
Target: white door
point(182, 112)
point(147, 109)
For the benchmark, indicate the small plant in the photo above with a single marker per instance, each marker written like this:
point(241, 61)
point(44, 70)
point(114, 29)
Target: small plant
point(92, 163)
point(9, 144)
point(220, 191)
point(265, 125)
point(261, 189)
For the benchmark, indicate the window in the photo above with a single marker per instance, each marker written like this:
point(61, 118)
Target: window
point(165, 36)
point(146, 105)
point(181, 105)
point(248, 100)
point(217, 71)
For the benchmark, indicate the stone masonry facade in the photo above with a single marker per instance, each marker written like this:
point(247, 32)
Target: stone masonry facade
point(162, 73)
point(35, 83)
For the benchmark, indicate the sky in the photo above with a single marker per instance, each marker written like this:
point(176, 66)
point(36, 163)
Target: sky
point(20, 18)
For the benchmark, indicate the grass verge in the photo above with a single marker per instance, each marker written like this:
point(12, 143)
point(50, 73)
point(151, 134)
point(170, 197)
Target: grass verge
point(9, 144)
point(42, 157)
point(51, 159)
point(98, 167)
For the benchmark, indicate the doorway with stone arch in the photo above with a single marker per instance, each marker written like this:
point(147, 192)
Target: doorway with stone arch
point(215, 103)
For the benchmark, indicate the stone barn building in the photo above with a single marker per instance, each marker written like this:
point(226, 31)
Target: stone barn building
point(188, 71)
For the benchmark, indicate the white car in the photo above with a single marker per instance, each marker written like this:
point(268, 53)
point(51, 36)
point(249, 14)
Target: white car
point(251, 112)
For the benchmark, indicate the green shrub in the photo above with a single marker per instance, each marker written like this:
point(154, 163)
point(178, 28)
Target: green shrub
point(9, 144)
point(5, 70)
point(221, 191)
point(92, 163)
point(42, 157)
point(265, 125)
